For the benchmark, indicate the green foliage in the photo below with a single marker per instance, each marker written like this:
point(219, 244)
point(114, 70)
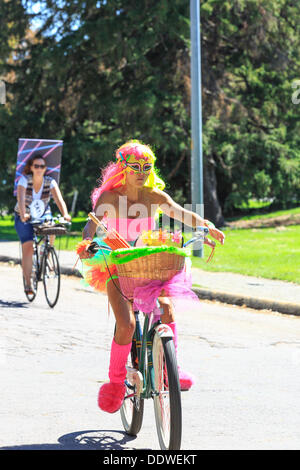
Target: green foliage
point(97, 73)
point(252, 126)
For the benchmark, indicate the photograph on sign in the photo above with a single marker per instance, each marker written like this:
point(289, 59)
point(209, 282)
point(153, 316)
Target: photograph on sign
point(50, 150)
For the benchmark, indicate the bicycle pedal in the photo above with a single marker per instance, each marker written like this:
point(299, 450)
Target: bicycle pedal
point(135, 378)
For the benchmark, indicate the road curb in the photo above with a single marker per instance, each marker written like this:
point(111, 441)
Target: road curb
point(251, 302)
point(208, 294)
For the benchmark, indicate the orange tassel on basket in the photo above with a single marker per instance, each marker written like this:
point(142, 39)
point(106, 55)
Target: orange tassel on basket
point(97, 278)
point(82, 246)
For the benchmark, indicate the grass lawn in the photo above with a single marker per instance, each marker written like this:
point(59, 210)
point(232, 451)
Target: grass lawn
point(69, 242)
point(7, 229)
point(273, 253)
point(268, 215)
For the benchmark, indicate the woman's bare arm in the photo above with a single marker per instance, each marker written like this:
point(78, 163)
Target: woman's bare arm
point(104, 207)
point(59, 201)
point(21, 203)
point(175, 211)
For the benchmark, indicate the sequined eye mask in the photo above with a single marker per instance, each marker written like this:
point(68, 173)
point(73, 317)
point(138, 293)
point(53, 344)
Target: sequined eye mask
point(137, 167)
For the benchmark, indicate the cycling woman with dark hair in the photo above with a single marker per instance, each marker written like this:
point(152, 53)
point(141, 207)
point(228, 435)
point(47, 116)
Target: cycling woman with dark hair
point(32, 186)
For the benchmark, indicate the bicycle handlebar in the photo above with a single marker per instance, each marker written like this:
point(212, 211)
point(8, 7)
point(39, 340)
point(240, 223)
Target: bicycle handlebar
point(60, 220)
point(200, 235)
point(94, 247)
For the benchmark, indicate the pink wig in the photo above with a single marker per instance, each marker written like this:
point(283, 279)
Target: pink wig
point(113, 175)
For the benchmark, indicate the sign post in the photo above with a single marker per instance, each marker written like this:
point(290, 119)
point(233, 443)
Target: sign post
point(196, 113)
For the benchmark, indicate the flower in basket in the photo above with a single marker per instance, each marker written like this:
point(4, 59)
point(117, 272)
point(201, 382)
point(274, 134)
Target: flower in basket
point(146, 237)
point(176, 236)
point(155, 236)
point(163, 236)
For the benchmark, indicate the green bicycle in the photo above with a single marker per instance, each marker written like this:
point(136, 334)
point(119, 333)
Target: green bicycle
point(152, 371)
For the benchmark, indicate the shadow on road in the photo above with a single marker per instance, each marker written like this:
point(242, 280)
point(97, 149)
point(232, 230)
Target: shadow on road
point(13, 304)
point(84, 440)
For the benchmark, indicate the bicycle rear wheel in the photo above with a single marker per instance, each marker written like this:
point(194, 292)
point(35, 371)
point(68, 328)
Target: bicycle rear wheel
point(132, 410)
point(51, 276)
point(167, 399)
point(34, 278)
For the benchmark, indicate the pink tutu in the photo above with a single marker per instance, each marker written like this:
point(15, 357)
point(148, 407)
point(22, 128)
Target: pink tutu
point(179, 286)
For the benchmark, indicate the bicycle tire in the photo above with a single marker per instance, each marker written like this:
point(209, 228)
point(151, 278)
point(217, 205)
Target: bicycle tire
point(132, 410)
point(167, 399)
point(34, 279)
point(51, 274)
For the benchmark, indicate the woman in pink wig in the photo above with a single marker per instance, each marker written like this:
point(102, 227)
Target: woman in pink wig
point(129, 195)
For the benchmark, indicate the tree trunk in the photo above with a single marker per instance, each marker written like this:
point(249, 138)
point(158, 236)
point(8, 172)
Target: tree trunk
point(212, 207)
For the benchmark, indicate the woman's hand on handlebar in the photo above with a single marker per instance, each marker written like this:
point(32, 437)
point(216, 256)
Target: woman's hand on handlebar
point(87, 251)
point(85, 255)
point(67, 217)
point(217, 234)
point(209, 242)
point(25, 218)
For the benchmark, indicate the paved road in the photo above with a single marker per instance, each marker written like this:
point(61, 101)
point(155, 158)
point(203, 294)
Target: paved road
point(52, 363)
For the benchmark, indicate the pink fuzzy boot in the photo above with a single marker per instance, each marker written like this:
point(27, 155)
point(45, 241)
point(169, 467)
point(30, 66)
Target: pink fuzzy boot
point(185, 378)
point(111, 395)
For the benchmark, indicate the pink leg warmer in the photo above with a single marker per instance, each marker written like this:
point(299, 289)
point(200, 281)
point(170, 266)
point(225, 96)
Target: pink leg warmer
point(111, 395)
point(185, 378)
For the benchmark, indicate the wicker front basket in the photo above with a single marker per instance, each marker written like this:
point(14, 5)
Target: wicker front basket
point(162, 266)
point(140, 271)
point(51, 230)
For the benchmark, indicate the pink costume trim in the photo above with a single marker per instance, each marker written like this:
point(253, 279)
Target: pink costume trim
point(185, 378)
point(111, 395)
point(130, 229)
point(179, 287)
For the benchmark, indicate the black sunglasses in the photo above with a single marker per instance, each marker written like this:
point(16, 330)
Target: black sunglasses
point(35, 165)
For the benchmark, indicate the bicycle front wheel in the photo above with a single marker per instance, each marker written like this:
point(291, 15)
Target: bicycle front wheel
point(51, 276)
point(132, 410)
point(167, 398)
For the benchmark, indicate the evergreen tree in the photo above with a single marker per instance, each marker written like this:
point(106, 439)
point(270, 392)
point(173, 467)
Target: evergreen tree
point(96, 73)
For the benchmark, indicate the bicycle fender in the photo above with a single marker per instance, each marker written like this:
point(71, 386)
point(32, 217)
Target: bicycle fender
point(164, 331)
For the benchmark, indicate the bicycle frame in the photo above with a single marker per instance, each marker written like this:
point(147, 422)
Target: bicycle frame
point(152, 372)
point(143, 341)
point(36, 243)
